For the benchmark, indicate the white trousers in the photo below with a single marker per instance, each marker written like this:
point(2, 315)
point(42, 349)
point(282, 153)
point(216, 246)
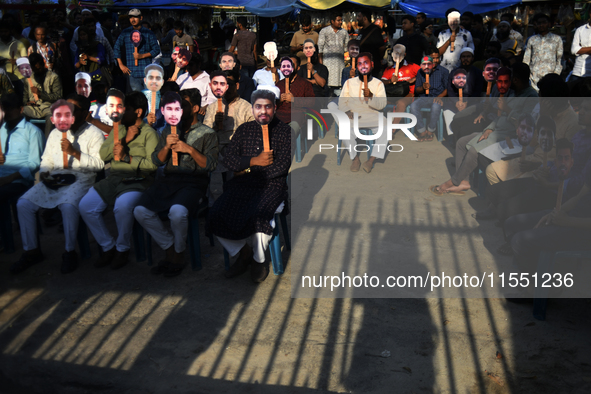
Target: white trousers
point(380, 144)
point(28, 222)
point(179, 224)
point(91, 209)
point(259, 243)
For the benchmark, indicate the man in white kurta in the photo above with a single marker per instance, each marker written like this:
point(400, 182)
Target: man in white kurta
point(368, 103)
point(82, 145)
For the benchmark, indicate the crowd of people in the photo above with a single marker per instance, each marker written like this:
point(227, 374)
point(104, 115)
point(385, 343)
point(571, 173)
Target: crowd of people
point(122, 130)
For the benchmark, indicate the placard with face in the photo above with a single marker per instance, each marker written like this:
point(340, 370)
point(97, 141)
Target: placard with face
point(154, 77)
point(172, 112)
point(525, 130)
point(309, 49)
point(183, 58)
point(398, 53)
point(63, 118)
point(286, 66)
point(459, 79)
point(25, 70)
point(270, 51)
point(546, 138)
point(115, 108)
point(136, 38)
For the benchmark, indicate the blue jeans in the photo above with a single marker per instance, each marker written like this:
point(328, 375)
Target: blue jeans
point(425, 102)
point(135, 84)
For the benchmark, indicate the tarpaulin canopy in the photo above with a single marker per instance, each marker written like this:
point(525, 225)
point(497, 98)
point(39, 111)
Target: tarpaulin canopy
point(437, 8)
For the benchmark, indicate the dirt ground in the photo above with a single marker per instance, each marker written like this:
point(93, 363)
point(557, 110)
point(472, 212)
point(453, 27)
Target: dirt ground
point(127, 331)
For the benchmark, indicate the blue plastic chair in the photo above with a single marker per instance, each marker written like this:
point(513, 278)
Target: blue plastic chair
point(274, 244)
point(479, 182)
point(545, 263)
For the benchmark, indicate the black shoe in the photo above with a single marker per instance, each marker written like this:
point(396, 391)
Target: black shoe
point(259, 271)
point(488, 214)
point(69, 262)
point(27, 260)
point(239, 267)
point(120, 260)
point(105, 258)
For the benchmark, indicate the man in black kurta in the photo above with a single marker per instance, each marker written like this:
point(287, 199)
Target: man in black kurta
point(183, 186)
point(245, 210)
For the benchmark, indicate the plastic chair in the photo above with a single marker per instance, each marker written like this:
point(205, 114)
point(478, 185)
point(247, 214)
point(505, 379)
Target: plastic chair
point(479, 182)
point(545, 262)
point(274, 244)
point(440, 122)
point(192, 237)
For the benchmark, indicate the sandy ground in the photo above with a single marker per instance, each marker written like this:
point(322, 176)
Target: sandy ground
point(127, 331)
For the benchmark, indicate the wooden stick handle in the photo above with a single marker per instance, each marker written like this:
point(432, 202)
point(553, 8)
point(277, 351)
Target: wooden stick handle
point(309, 71)
point(286, 84)
point(559, 197)
point(509, 142)
point(461, 90)
point(116, 137)
point(266, 144)
point(65, 135)
point(353, 63)
point(175, 155)
point(396, 70)
point(153, 103)
point(365, 82)
point(135, 50)
point(523, 153)
point(220, 105)
point(488, 89)
point(427, 80)
point(31, 85)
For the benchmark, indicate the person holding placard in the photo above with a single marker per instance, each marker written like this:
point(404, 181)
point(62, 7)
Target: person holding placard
point(351, 71)
point(154, 80)
point(184, 185)
point(243, 213)
point(270, 74)
point(63, 184)
point(451, 41)
point(196, 78)
point(128, 148)
point(315, 72)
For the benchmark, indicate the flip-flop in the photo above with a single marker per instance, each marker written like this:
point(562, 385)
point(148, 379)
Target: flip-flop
point(427, 136)
point(435, 190)
point(455, 193)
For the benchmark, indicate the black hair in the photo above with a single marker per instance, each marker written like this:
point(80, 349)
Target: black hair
point(539, 16)
point(262, 94)
point(509, 16)
point(12, 101)
point(551, 85)
point(82, 101)
point(335, 14)
point(364, 12)
point(298, 62)
point(492, 60)
point(170, 97)
point(117, 93)
point(218, 73)
point(422, 14)
point(305, 20)
point(35, 58)
point(243, 21)
point(60, 103)
point(194, 96)
point(478, 18)
point(564, 143)
point(425, 24)
point(234, 74)
point(170, 86)
point(136, 100)
point(529, 120)
point(105, 16)
point(195, 61)
point(546, 122)
point(410, 18)
point(521, 71)
point(450, 10)
point(468, 14)
point(178, 25)
point(365, 54)
point(352, 42)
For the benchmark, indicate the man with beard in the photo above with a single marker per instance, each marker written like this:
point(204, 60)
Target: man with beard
point(298, 87)
point(554, 103)
point(46, 89)
point(126, 55)
point(61, 186)
point(544, 51)
point(184, 185)
point(249, 202)
point(83, 82)
point(451, 41)
point(474, 82)
point(246, 84)
point(507, 43)
point(370, 40)
point(132, 172)
point(297, 41)
point(367, 102)
point(513, 35)
point(436, 88)
point(195, 78)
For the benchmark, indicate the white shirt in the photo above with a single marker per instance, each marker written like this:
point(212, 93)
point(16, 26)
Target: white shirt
point(581, 39)
point(451, 60)
point(265, 77)
point(185, 81)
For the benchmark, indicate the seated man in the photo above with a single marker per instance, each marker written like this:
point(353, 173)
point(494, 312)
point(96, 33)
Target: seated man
point(512, 111)
point(81, 143)
point(195, 78)
point(298, 87)
point(47, 89)
point(245, 210)
point(20, 159)
point(184, 185)
point(6, 87)
point(132, 172)
point(429, 96)
point(554, 103)
point(367, 102)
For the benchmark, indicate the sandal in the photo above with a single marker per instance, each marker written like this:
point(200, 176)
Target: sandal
point(505, 249)
point(435, 190)
point(426, 136)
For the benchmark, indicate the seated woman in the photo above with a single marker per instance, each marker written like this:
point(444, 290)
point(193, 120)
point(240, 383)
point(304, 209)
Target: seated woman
point(90, 54)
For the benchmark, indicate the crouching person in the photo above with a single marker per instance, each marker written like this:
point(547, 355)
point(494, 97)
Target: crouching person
point(68, 169)
point(183, 186)
point(132, 172)
point(245, 209)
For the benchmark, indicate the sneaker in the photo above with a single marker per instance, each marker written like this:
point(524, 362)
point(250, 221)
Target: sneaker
point(105, 258)
point(120, 260)
point(27, 260)
point(69, 262)
point(259, 271)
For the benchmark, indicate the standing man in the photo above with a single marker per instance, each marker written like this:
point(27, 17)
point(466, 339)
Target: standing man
point(370, 36)
point(544, 51)
point(81, 144)
point(451, 42)
point(581, 48)
point(10, 50)
point(297, 41)
point(148, 49)
point(245, 209)
point(416, 44)
point(245, 42)
point(332, 43)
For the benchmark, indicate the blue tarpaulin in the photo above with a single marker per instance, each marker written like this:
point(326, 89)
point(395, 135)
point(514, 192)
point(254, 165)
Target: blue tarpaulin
point(265, 8)
point(437, 8)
